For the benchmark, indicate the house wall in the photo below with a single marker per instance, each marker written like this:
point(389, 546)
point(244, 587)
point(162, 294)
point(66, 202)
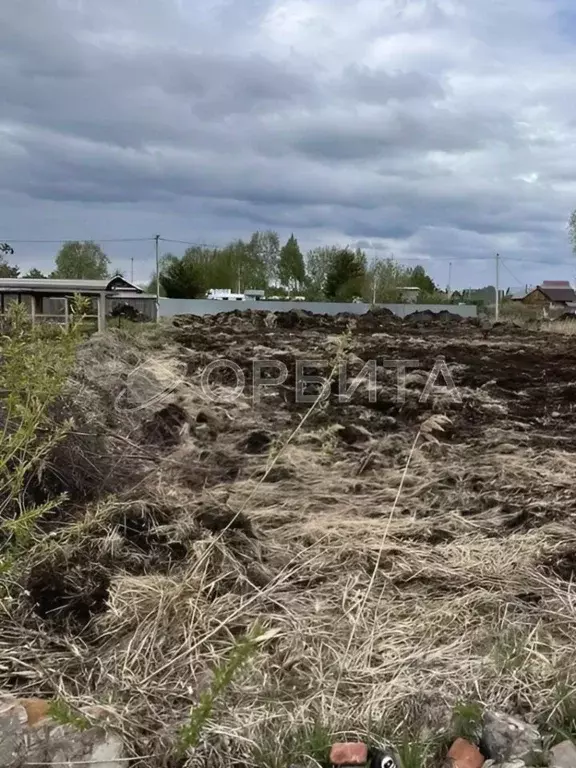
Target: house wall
point(536, 299)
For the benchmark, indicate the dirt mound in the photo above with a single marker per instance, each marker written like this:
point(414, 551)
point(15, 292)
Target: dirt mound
point(377, 319)
point(297, 318)
point(427, 317)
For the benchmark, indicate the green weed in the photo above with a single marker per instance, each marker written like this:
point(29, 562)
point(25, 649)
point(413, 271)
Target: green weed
point(560, 721)
point(467, 721)
point(61, 712)
point(241, 653)
point(414, 753)
point(32, 375)
point(294, 745)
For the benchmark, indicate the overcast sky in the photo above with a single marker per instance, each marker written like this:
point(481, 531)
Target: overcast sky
point(433, 129)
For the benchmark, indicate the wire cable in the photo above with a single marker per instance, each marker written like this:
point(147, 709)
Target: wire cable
point(512, 275)
point(188, 242)
point(191, 243)
point(73, 239)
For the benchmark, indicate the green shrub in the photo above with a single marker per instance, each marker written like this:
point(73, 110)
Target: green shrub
point(33, 371)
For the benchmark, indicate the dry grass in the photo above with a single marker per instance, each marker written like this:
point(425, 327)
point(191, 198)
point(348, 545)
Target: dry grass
point(396, 576)
point(564, 327)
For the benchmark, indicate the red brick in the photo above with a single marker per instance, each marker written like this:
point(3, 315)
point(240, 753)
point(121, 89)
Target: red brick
point(462, 754)
point(351, 753)
point(36, 709)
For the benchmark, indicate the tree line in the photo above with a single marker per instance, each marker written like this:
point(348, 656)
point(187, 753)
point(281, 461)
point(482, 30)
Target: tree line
point(330, 273)
point(75, 261)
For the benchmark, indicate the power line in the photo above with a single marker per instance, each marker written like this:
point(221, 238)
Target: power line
point(187, 242)
point(72, 239)
point(191, 243)
point(512, 275)
point(482, 259)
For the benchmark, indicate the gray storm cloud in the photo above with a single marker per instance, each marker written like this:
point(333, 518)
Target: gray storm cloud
point(435, 129)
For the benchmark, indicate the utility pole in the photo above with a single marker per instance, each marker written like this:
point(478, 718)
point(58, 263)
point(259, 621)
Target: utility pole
point(497, 313)
point(374, 279)
point(157, 238)
point(131, 269)
point(449, 279)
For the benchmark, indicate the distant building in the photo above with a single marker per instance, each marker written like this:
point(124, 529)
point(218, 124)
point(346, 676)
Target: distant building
point(49, 300)
point(552, 294)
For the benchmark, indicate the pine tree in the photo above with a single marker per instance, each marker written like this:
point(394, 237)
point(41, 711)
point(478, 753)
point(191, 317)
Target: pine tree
point(182, 278)
point(291, 269)
point(346, 275)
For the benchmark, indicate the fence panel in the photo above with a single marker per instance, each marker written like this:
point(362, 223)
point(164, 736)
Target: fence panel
point(172, 307)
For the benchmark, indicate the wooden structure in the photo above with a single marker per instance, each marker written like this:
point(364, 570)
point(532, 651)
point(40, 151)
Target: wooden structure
point(48, 300)
point(552, 294)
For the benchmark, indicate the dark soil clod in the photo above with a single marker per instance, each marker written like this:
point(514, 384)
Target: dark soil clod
point(167, 426)
point(256, 442)
point(66, 596)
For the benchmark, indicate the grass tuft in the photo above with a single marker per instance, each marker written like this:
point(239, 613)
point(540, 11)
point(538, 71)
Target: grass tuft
point(467, 721)
point(414, 753)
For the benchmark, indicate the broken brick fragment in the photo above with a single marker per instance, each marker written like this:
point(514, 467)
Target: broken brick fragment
point(349, 753)
point(36, 709)
point(462, 754)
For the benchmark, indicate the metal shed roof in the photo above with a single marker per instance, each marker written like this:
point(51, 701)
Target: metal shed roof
point(50, 285)
point(122, 294)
